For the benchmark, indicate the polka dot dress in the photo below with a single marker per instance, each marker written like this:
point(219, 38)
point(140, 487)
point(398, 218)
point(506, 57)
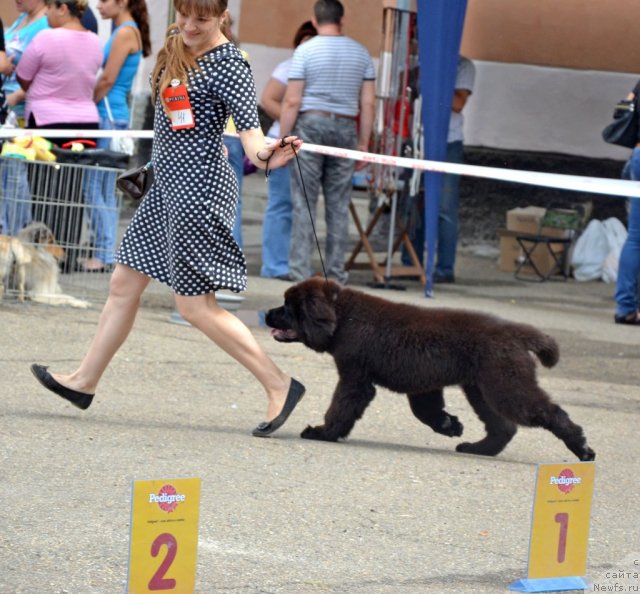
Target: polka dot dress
point(181, 233)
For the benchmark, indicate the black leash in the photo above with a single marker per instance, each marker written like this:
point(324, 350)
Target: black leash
point(304, 191)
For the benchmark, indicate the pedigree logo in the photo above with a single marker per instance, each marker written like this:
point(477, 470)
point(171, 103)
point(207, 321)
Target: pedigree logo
point(565, 480)
point(167, 498)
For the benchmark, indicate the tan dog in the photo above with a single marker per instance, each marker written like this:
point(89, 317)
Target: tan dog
point(35, 255)
point(12, 253)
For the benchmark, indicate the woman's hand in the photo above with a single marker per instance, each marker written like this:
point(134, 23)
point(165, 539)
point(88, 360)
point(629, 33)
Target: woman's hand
point(279, 152)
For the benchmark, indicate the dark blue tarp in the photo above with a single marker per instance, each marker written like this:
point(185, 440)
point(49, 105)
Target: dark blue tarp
point(440, 24)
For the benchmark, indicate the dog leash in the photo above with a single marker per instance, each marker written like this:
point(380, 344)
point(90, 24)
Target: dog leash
point(304, 191)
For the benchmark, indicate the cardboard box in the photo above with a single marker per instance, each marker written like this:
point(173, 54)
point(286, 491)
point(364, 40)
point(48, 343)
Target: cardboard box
point(525, 220)
point(511, 254)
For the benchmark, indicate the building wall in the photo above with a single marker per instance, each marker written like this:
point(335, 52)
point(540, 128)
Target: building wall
point(548, 72)
point(577, 34)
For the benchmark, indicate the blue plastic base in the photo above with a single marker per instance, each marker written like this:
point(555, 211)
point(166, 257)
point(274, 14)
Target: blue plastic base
point(561, 584)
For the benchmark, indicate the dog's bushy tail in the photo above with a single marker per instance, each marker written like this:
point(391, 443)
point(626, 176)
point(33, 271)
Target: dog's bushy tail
point(543, 345)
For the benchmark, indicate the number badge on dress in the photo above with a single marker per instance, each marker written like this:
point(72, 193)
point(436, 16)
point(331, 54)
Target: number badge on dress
point(177, 101)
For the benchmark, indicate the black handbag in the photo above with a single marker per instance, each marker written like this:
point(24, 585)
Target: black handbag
point(135, 183)
point(99, 157)
point(623, 130)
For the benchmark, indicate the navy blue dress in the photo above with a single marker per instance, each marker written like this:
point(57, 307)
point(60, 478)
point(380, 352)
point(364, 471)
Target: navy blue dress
point(181, 233)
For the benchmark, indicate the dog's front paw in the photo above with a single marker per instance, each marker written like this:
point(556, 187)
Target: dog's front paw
point(316, 433)
point(450, 426)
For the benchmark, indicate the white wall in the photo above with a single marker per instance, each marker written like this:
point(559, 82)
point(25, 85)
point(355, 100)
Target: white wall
point(522, 107)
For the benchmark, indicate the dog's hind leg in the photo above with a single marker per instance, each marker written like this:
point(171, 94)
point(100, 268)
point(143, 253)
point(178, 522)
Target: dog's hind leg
point(350, 399)
point(500, 431)
point(552, 417)
point(428, 408)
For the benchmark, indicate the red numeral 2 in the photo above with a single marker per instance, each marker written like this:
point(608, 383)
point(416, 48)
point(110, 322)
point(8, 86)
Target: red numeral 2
point(563, 520)
point(158, 581)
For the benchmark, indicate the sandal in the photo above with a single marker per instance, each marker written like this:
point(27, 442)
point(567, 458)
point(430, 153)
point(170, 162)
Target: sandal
point(630, 319)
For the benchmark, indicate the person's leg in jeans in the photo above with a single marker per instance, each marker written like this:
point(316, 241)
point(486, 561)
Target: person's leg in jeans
point(448, 217)
point(627, 298)
point(15, 207)
point(236, 160)
point(99, 189)
point(337, 188)
point(276, 225)
point(302, 244)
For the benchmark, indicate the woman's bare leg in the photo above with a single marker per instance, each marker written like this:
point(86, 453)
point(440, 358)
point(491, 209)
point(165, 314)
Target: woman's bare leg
point(231, 335)
point(116, 320)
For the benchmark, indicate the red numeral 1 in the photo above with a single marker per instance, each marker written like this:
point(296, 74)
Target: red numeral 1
point(158, 581)
point(563, 520)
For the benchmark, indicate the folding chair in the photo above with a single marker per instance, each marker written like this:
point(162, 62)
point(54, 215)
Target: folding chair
point(558, 231)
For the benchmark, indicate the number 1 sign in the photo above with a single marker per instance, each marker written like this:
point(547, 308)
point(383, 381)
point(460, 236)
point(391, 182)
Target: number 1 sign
point(559, 528)
point(164, 536)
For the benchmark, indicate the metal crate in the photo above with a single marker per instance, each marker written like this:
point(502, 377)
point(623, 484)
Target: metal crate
point(45, 222)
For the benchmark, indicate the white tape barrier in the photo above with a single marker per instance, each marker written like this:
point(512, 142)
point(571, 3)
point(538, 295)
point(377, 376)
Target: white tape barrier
point(595, 185)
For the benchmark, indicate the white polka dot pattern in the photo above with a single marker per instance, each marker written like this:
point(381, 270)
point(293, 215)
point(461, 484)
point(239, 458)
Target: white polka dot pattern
point(181, 233)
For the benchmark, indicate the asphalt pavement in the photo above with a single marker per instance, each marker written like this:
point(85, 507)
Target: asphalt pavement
point(391, 510)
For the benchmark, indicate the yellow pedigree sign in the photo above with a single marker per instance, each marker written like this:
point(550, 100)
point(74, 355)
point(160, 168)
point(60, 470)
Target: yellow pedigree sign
point(164, 536)
point(561, 518)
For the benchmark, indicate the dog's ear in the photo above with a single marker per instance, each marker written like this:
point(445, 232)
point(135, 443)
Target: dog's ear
point(317, 317)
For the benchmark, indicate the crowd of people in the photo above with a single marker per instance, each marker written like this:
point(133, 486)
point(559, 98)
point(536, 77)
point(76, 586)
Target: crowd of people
point(56, 74)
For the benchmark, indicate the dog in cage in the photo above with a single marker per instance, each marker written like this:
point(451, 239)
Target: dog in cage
point(30, 262)
point(419, 351)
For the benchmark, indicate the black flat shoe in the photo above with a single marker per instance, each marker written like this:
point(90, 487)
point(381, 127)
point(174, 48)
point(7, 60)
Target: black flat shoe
point(79, 399)
point(631, 319)
point(294, 395)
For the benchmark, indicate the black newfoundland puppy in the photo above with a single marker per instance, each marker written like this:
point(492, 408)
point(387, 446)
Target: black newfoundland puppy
point(419, 351)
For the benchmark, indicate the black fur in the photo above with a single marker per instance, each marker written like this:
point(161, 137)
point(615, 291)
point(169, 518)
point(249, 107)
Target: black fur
point(419, 351)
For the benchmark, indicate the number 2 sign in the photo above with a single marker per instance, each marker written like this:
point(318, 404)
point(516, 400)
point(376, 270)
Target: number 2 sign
point(559, 527)
point(164, 536)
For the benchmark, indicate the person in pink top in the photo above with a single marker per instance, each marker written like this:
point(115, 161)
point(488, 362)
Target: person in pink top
point(58, 71)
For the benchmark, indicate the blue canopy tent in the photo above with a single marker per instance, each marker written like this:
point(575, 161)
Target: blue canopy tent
point(440, 24)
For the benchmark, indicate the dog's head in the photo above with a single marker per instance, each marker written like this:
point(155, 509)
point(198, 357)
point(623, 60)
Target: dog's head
point(308, 314)
point(40, 236)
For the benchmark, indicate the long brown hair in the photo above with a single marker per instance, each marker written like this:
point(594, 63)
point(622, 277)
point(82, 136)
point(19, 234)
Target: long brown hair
point(140, 14)
point(174, 60)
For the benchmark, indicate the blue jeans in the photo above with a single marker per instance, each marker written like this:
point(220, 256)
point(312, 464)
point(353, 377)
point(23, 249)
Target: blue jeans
point(447, 220)
point(15, 196)
point(627, 298)
point(236, 154)
point(448, 215)
point(276, 225)
point(335, 176)
point(99, 190)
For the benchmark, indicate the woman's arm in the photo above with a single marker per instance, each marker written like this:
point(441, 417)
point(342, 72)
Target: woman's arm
point(6, 66)
point(124, 43)
point(272, 96)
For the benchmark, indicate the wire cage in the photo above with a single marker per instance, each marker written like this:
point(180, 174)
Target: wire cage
point(54, 215)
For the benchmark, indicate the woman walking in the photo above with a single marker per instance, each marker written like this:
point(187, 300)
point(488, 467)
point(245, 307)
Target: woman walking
point(181, 233)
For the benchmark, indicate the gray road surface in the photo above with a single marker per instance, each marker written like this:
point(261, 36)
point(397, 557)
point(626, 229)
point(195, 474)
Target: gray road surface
point(393, 510)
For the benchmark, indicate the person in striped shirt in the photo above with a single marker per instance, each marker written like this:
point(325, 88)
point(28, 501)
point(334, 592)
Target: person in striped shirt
point(330, 100)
